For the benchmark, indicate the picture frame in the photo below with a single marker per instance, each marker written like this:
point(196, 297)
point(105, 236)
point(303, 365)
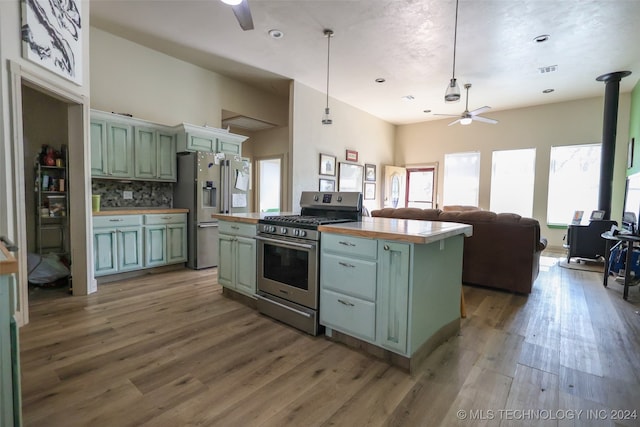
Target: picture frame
point(327, 185)
point(351, 156)
point(52, 36)
point(597, 215)
point(369, 172)
point(369, 191)
point(350, 177)
point(327, 165)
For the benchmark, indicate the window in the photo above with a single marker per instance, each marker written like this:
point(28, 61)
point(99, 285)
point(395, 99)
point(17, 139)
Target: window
point(512, 180)
point(574, 176)
point(461, 179)
point(420, 185)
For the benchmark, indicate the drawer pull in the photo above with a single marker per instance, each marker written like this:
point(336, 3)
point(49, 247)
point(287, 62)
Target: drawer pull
point(346, 264)
point(347, 243)
point(347, 303)
point(386, 247)
point(165, 217)
point(116, 220)
point(235, 227)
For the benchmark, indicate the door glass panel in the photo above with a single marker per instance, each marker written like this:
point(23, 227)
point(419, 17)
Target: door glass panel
point(288, 266)
point(395, 190)
point(269, 185)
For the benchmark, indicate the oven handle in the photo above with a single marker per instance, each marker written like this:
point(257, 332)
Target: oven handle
point(302, 313)
point(285, 243)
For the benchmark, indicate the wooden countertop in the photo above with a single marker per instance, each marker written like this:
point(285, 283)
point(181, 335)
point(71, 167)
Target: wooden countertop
point(139, 211)
point(248, 218)
point(404, 230)
point(8, 264)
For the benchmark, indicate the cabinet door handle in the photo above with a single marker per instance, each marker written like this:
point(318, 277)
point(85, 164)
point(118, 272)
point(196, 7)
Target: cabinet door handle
point(386, 247)
point(347, 303)
point(116, 220)
point(346, 264)
point(347, 243)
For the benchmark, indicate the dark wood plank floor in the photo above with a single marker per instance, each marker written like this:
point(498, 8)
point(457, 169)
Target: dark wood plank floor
point(169, 350)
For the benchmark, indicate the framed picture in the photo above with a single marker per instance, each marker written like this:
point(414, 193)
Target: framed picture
point(352, 156)
point(350, 177)
point(369, 172)
point(597, 215)
point(52, 36)
point(369, 191)
point(327, 184)
point(327, 165)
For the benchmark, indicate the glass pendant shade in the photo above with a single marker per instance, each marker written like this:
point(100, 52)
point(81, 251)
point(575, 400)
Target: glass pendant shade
point(452, 93)
point(326, 118)
point(466, 121)
point(232, 2)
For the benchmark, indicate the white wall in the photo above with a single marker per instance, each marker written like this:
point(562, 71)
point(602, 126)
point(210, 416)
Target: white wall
point(575, 122)
point(352, 129)
point(129, 78)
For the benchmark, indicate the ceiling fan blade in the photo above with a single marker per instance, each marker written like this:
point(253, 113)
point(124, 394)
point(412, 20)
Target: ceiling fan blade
point(480, 110)
point(454, 122)
point(243, 15)
point(448, 115)
point(484, 119)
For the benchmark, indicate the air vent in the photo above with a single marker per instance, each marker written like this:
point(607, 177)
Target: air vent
point(548, 69)
point(248, 123)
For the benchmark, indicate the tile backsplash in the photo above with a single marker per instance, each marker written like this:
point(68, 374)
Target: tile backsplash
point(145, 193)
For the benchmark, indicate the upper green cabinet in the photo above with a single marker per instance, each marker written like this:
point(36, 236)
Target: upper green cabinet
point(206, 138)
point(124, 147)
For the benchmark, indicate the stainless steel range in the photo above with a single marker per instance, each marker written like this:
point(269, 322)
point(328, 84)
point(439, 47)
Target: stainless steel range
point(289, 256)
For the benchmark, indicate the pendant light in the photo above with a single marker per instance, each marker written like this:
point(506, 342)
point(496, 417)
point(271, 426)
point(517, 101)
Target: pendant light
point(326, 118)
point(452, 94)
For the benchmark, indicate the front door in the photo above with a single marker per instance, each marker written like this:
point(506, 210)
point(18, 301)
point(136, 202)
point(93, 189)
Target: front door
point(395, 179)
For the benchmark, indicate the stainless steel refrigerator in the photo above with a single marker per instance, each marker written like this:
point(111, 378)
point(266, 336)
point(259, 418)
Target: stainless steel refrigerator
point(209, 183)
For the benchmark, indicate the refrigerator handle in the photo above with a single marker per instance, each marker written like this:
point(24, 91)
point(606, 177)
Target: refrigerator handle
point(226, 185)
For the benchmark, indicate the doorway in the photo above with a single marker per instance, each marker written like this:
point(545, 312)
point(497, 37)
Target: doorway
point(269, 185)
point(421, 186)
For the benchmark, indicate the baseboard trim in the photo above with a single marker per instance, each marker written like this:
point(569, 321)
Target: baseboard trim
point(241, 298)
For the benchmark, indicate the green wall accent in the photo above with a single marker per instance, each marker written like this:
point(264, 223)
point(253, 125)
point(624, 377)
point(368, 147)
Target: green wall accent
point(634, 128)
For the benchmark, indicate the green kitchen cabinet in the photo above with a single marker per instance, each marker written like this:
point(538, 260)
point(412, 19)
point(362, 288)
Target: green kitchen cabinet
point(155, 154)
point(117, 244)
point(111, 149)
point(207, 138)
point(393, 295)
point(99, 166)
point(165, 239)
point(237, 257)
point(10, 388)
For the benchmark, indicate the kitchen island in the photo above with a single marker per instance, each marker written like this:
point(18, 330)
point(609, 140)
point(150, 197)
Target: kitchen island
point(392, 287)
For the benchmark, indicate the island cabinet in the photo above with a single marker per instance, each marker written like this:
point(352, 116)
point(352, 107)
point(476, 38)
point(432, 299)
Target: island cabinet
point(10, 400)
point(165, 239)
point(117, 244)
point(402, 297)
point(237, 251)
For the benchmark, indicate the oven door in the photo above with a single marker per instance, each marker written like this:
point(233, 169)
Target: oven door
point(288, 268)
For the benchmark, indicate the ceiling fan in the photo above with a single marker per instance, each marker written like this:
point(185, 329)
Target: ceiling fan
point(242, 12)
point(468, 116)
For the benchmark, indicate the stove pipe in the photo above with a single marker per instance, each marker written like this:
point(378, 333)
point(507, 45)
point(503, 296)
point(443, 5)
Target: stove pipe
point(611, 96)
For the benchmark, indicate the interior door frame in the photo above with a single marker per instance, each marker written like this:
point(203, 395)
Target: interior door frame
point(283, 180)
point(80, 191)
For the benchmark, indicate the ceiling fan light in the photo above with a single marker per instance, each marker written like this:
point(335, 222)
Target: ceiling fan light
point(452, 93)
point(466, 120)
point(231, 2)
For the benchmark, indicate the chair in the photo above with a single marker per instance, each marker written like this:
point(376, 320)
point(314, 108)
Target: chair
point(584, 241)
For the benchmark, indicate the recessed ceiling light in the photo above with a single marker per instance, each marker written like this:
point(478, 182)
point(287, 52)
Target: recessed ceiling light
point(542, 38)
point(408, 98)
point(426, 111)
point(548, 69)
point(276, 34)
point(548, 90)
point(380, 80)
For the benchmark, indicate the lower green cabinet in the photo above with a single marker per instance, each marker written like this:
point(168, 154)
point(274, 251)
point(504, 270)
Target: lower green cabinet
point(393, 295)
point(237, 257)
point(165, 244)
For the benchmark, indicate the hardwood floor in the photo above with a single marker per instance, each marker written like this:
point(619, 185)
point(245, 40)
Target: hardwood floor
point(169, 350)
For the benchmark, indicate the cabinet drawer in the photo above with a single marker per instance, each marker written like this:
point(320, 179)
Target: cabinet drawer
point(349, 245)
point(351, 276)
point(348, 314)
point(117, 221)
point(237, 228)
point(157, 219)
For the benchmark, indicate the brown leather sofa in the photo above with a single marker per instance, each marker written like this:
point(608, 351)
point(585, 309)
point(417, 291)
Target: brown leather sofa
point(503, 252)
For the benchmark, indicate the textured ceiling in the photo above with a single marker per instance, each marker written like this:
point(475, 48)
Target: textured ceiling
point(407, 42)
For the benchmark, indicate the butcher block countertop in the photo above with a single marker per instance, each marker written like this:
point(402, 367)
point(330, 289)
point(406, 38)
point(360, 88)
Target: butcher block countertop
point(248, 218)
point(139, 211)
point(8, 264)
point(404, 230)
